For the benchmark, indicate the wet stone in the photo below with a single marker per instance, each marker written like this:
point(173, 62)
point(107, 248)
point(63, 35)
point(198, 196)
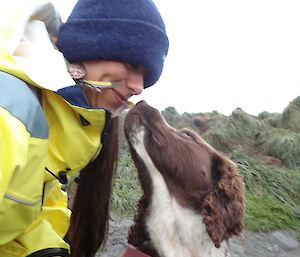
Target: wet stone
point(283, 240)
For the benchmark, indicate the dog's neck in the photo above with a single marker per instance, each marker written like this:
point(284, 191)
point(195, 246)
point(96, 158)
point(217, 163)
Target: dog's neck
point(174, 231)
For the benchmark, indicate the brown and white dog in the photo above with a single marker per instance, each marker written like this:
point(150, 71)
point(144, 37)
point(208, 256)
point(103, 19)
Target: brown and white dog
point(193, 199)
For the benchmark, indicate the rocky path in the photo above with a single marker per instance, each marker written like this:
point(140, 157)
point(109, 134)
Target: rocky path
point(272, 244)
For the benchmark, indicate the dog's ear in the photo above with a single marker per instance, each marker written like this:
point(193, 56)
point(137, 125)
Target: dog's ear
point(223, 208)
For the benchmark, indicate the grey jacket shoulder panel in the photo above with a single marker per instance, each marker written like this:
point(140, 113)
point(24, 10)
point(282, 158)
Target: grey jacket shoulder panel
point(23, 103)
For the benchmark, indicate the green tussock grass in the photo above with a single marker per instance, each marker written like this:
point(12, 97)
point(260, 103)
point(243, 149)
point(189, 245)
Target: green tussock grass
point(291, 115)
point(237, 130)
point(268, 180)
point(281, 143)
point(266, 212)
point(272, 119)
point(127, 190)
point(272, 194)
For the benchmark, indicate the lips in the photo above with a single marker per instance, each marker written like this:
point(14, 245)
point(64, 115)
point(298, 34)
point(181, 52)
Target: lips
point(120, 96)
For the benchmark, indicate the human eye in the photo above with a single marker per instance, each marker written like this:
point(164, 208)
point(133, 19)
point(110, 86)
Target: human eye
point(135, 67)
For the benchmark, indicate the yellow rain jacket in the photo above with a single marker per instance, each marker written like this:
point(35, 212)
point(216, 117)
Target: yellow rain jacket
point(39, 130)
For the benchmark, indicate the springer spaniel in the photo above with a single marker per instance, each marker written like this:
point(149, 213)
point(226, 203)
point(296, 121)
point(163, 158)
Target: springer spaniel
point(193, 199)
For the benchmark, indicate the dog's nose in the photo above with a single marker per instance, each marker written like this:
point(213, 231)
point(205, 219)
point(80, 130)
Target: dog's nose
point(142, 102)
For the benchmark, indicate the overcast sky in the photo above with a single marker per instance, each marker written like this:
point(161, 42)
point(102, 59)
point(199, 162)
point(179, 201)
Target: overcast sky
point(226, 54)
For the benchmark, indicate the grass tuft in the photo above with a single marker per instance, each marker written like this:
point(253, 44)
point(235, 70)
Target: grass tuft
point(266, 212)
point(272, 194)
point(127, 189)
point(281, 143)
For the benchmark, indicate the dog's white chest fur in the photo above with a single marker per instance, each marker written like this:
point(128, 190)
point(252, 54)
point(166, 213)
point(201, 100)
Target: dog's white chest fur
point(175, 231)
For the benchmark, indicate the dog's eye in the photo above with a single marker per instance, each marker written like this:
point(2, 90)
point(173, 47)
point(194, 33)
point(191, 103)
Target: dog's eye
point(185, 134)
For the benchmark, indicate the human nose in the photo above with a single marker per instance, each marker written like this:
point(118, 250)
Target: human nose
point(136, 82)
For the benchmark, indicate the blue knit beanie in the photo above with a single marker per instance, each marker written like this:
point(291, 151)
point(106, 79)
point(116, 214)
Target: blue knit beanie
point(129, 31)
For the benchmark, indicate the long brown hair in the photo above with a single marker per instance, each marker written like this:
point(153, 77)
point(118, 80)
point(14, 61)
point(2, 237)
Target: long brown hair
point(90, 211)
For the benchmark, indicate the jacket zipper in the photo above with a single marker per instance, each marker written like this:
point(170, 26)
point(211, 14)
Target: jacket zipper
point(21, 201)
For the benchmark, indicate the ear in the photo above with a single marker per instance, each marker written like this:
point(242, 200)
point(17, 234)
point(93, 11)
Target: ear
point(223, 209)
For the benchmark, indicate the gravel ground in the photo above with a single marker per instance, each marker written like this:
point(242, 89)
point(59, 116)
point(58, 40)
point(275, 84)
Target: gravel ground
point(279, 243)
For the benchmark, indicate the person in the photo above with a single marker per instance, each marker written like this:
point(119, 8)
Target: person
point(62, 87)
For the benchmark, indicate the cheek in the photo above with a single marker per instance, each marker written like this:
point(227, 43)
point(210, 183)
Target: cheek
point(107, 96)
point(99, 100)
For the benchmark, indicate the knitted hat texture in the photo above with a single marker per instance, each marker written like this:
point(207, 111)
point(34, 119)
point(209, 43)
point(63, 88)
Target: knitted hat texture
point(129, 31)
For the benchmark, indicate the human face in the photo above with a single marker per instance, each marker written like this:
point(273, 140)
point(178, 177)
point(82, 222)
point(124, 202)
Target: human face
point(113, 98)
